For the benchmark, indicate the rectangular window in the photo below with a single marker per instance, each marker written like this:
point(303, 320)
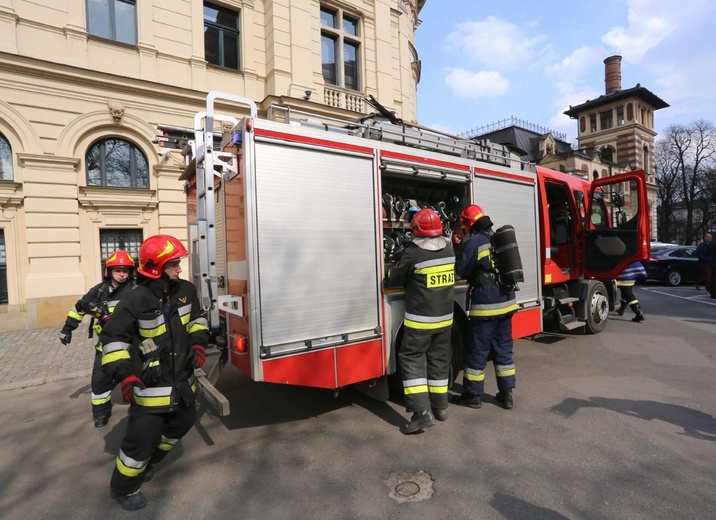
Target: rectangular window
point(605, 120)
point(112, 240)
point(113, 19)
point(620, 116)
point(221, 36)
point(593, 123)
point(340, 48)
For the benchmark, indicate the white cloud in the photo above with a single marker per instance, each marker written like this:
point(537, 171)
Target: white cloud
point(578, 64)
point(649, 22)
point(494, 43)
point(467, 84)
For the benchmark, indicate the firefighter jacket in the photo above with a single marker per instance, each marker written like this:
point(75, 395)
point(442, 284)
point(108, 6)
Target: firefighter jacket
point(631, 274)
point(102, 296)
point(475, 264)
point(427, 271)
point(154, 329)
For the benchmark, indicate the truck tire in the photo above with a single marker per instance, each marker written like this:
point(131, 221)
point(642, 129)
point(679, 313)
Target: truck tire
point(596, 307)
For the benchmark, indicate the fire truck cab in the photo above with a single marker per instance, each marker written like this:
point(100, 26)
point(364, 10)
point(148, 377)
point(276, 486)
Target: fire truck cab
point(293, 221)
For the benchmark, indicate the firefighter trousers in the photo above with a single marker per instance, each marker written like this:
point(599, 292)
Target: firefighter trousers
point(626, 295)
point(102, 386)
point(148, 439)
point(491, 338)
point(425, 366)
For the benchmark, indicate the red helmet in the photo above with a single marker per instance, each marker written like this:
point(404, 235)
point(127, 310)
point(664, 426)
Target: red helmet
point(119, 258)
point(156, 251)
point(471, 214)
point(426, 223)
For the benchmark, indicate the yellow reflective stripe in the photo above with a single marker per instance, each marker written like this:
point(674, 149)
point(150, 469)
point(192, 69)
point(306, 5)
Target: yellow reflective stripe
point(102, 400)
point(185, 319)
point(418, 389)
point(632, 302)
point(127, 471)
point(625, 283)
point(474, 377)
point(436, 269)
point(153, 333)
point(154, 363)
point(426, 326)
point(193, 387)
point(505, 373)
point(438, 389)
point(483, 254)
point(153, 401)
point(196, 327)
point(165, 446)
point(72, 314)
point(115, 356)
point(493, 312)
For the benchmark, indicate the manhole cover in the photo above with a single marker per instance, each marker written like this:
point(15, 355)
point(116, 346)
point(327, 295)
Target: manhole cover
point(410, 487)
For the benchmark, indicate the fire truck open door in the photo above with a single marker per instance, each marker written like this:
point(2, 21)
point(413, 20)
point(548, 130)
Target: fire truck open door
point(618, 227)
point(313, 264)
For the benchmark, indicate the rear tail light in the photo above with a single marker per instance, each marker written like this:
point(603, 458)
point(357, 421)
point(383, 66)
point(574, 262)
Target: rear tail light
point(238, 343)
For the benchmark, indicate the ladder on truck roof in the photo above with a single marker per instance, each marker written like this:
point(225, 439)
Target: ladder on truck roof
point(202, 233)
point(379, 128)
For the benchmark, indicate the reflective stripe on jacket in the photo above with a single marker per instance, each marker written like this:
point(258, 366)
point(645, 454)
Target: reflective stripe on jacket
point(475, 264)
point(171, 322)
point(427, 271)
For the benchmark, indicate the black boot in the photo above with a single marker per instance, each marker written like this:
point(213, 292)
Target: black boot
point(622, 308)
point(419, 421)
point(469, 400)
point(505, 399)
point(148, 473)
point(132, 502)
point(101, 421)
point(440, 414)
point(639, 315)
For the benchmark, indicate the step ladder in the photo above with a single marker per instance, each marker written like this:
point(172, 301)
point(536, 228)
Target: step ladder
point(202, 233)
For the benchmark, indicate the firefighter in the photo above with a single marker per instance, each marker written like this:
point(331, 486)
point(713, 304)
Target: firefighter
point(159, 327)
point(99, 302)
point(427, 271)
point(625, 282)
point(490, 309)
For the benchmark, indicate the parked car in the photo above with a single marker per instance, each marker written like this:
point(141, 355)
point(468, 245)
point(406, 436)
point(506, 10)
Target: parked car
point(660, 246)
point(673, 265)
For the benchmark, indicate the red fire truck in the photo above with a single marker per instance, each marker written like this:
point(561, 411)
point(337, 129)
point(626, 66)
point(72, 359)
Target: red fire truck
point(293, 219)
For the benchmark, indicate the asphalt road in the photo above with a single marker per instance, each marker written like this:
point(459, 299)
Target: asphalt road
point(620, 425)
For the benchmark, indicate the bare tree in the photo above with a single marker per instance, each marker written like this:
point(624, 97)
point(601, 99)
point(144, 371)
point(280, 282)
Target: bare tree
point(668, 194)
point(685, 160)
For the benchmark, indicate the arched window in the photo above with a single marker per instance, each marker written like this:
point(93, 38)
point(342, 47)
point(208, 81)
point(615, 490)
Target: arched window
point(595, 175)
point(646, 159)
point(116, 163)
point(5, 159)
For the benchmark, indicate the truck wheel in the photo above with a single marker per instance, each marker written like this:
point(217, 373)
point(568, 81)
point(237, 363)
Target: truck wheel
point(673, 278)
point(597, 307)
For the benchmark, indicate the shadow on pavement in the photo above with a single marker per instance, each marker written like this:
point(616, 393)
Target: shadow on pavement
point(513, 508)
point(696, 424)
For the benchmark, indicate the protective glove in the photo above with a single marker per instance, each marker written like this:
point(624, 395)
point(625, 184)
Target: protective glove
point(65, 337)
point(128, 384)
point(198, 355)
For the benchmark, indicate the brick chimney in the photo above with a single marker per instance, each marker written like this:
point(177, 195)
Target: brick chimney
point(613, 74)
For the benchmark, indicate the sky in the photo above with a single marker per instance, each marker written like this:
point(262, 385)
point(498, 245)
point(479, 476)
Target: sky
point(483, 62)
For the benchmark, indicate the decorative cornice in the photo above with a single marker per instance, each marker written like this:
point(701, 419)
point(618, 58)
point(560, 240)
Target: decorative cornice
point(94, 197)
point(47, 162)
point(9, 195)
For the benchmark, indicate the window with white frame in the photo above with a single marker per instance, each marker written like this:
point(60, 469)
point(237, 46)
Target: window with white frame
point(113, 19)
point(340, 47)
point(5, 159)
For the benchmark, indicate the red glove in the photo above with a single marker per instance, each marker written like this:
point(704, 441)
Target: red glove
point(197, 355)
point(128, 384)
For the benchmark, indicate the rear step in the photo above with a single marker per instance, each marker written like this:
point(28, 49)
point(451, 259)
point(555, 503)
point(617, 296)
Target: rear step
point(571, 325)
point(569, 299)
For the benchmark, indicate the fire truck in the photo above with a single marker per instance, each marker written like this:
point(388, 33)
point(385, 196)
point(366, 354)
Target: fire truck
point(294, 218)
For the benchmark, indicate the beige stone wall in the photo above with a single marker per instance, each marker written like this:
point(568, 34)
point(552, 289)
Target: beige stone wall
point(57, 83)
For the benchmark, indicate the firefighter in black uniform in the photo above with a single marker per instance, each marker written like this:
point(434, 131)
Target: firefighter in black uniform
point(160, 327)
point(99, 302)
point(490, 310)
point(427, 271)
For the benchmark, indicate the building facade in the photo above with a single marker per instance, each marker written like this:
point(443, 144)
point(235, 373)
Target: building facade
point(84, 84)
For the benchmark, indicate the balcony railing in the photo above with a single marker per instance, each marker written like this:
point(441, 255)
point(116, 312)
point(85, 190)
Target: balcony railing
point(337, 98)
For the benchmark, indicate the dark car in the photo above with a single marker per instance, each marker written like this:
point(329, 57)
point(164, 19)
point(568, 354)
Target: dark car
point(673, 265)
